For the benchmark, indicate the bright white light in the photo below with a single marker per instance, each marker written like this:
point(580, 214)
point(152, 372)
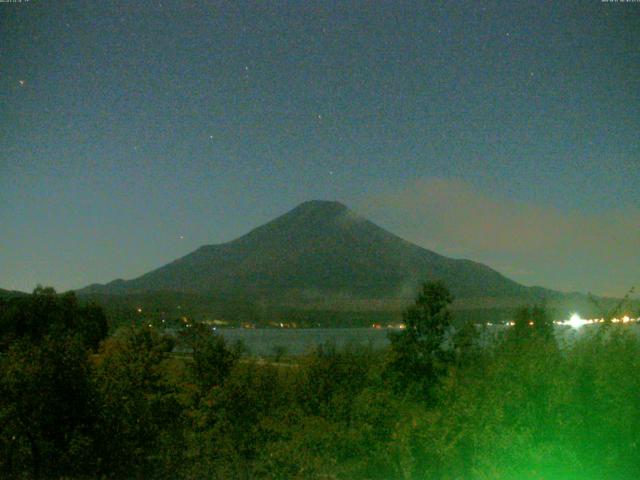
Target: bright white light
point(576, 322)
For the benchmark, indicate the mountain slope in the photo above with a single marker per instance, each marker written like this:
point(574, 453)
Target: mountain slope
point(317, 249)
point(11, 293)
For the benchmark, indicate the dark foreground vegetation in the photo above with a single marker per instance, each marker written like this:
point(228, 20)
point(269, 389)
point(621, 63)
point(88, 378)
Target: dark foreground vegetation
point(77, 402)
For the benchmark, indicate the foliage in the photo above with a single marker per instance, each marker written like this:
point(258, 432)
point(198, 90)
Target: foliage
point(614, 310)
point(32, 317)
point(518, 407)
point(212, 360)
point(532, 323)
point(139, 410)
point(419, 353)
point(47, 416)
point(47, 422)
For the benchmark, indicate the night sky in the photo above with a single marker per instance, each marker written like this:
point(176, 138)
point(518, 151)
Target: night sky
point(505, 132)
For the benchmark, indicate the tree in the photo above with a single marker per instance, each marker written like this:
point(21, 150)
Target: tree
point(91, 324)
point(542, 323)
point(212, 359)
point(521, 328)
point(47, 402)
point(32, 317)
point(45, 409)
point(608, 314)
point(466, 344)
point(419, 354)
point(532, 323)
point(140, 419)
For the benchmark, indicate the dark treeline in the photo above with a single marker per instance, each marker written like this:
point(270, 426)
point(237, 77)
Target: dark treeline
point(171, 306)
point(77, 403)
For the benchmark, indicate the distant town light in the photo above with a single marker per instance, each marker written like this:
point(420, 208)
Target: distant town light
point(576, 322)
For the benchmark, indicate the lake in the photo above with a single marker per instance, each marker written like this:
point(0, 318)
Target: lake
point(299, 340)
point(294, 341)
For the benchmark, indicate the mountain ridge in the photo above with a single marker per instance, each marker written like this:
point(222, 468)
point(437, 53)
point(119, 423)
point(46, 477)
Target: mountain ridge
point(319, 248)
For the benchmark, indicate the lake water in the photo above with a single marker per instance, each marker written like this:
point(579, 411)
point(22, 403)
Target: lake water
point(264, 342)
point(296, 341)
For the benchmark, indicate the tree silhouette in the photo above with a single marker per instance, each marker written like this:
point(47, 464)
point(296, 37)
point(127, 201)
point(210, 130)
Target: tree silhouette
point(532, 323)
point(419, 353)
point(212, 359)
point(46, 313)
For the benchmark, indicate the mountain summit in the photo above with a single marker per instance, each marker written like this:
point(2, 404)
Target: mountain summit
point(318, 249)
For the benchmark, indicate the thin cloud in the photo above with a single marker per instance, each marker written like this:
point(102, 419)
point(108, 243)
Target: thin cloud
point(531, 243)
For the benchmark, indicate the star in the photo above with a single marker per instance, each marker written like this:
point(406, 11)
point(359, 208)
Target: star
point(21, 82)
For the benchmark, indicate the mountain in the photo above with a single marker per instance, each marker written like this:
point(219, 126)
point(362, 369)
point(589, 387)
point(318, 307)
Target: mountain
point(11, 293)
point(320, 251)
